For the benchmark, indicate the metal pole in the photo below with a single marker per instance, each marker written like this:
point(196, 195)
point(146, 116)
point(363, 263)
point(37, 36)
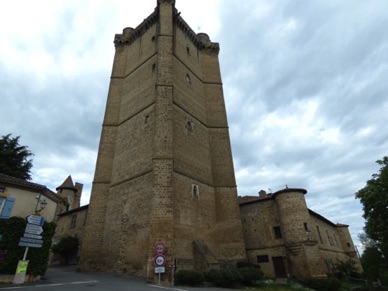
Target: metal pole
point(37, 203)
point(159, 278)
point(25, 254)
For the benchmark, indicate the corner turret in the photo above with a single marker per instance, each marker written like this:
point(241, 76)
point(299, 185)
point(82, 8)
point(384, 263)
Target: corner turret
point(158, 2)
point(71, 193)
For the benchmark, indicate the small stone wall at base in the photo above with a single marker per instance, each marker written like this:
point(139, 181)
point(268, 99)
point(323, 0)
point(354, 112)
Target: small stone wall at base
point(8, 279)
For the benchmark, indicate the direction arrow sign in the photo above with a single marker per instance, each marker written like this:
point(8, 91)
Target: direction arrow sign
point(31, 240)
point(32, 235)
point(31, 245)
point(33, 229)
point(35, 219)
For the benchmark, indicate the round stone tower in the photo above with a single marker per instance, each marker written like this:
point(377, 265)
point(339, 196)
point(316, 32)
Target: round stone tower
point(302, 253)
point(68, 191)
point(294, 215)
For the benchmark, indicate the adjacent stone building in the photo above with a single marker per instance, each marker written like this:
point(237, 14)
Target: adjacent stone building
point(70, 219)
point(286, 238)
point(164, 170)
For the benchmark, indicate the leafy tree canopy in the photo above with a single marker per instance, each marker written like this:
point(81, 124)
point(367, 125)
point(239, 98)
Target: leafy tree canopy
point(66, 245)
point(374, 197)
point(15, 159)
point(371, 259)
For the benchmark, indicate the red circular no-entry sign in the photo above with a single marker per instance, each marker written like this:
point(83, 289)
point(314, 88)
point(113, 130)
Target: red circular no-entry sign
point(160, 248)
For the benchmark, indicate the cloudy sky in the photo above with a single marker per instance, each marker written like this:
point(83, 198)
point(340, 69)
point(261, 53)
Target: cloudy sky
point(305, 85)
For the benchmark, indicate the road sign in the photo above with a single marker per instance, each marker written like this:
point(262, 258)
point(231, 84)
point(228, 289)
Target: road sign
point(21, 271)
point(33, 229)
point(31, 245)
point(159, 270)
point(160, 248)
point(29, 235)
point(31, 240)
point(159, 260)
point(35, 219)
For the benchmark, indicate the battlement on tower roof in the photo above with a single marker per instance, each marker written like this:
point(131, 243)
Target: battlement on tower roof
point(130, 35)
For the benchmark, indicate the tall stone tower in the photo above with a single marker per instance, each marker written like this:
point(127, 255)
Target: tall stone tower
point(164, 170)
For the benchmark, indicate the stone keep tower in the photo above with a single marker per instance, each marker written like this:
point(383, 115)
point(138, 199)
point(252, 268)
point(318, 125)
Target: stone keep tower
point(164, 170)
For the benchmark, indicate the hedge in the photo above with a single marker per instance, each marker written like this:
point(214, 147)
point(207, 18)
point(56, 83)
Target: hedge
point(11, 230)
point(189, 278)
point(323, 284)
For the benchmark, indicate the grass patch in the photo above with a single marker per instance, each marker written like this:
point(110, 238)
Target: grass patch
point(270, 285)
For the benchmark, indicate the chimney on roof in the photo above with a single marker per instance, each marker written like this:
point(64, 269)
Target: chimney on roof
point(78, 194)
point(262, 194)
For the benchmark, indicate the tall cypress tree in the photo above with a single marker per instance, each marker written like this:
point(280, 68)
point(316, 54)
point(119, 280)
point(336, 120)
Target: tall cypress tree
point(15, 160)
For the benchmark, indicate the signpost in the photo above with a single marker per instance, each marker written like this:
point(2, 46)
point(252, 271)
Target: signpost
point(35, 219)
point(160, 260)
point(21, 270)
point(33, 229)
point(32, 234)
point(31, 239)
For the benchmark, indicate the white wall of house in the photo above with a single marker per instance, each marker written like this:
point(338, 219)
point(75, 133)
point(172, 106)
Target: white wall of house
point(25, 203)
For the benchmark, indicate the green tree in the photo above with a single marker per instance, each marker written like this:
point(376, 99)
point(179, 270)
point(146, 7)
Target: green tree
point(15, 159)
point(366, 241)
point(346, 267)
point(374, 197)
point(371, 260)
point(67, 247)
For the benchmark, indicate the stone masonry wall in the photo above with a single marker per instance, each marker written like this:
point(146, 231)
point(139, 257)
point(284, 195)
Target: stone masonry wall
point(312, 253)
point(159, 139)
point(258, 222)
point(293, 213)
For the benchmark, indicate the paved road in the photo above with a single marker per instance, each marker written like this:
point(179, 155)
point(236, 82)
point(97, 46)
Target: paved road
point(61, 279)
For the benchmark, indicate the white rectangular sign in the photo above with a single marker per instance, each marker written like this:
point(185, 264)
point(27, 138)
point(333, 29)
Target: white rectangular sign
point(159, 270)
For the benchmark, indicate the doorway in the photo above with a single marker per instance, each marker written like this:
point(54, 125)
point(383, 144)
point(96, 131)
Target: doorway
point(280, 269)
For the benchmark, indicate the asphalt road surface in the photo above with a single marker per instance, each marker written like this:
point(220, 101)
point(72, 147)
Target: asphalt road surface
point(60, 279)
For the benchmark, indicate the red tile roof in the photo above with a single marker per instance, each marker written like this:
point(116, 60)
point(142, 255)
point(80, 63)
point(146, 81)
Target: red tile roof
point(16, 182)
point(249, 199)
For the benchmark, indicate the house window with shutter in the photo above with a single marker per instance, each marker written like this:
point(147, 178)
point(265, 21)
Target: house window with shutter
point(6, 205)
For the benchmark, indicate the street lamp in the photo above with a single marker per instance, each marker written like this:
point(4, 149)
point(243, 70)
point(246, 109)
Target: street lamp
point(41, 202)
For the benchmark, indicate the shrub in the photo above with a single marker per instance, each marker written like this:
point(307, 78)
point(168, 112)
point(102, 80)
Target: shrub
point(247, 265)
point(67, 247)
point(323, 284)
point(12, 229)
point(224, 277)
point(250, 275)
point(189, 278)
point(345, 267)
point(212, 276)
